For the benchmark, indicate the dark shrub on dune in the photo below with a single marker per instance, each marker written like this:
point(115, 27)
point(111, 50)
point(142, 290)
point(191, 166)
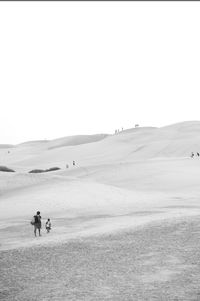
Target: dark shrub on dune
point(36, 171)
point(44, 170)
point(4, 168)
point(52, 169)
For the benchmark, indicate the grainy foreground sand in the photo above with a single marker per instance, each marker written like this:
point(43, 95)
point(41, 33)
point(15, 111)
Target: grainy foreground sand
point(160, 261)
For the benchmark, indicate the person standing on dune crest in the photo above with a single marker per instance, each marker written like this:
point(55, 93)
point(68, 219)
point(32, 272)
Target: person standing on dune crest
point(37, 223)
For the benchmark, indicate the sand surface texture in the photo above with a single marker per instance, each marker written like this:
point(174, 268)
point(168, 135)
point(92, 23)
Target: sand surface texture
point(125, 218)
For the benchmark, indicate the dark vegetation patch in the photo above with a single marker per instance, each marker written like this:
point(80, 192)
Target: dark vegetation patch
point(44, 170)
point(6, 169)
point(52, 169)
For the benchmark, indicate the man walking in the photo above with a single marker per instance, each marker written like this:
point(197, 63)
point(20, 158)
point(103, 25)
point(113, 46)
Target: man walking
point(37, 223)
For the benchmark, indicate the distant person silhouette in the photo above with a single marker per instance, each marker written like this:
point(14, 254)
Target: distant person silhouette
point(48, 225)
point(37, 223)
point(192, 155)
point(198, 154)
point(73, 163)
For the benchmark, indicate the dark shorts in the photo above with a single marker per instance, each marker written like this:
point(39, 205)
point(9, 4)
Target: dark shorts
point(37, 226)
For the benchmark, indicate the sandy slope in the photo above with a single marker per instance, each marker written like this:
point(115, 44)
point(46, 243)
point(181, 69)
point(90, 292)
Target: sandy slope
point(138, 170)
point(125, 218)
point(136, 144)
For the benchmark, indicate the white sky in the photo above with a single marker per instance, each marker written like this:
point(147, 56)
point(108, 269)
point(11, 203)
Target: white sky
point(71, 68)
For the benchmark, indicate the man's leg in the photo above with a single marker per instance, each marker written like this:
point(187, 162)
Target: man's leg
point(35, 230)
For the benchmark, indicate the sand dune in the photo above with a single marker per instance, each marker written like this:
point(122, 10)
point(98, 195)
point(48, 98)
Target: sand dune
point(65, 141)
point(138, 170)
point(129, 210)
point(177, 140)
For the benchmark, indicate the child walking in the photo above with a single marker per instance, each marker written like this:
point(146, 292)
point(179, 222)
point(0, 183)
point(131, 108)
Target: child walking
point(48, 225)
